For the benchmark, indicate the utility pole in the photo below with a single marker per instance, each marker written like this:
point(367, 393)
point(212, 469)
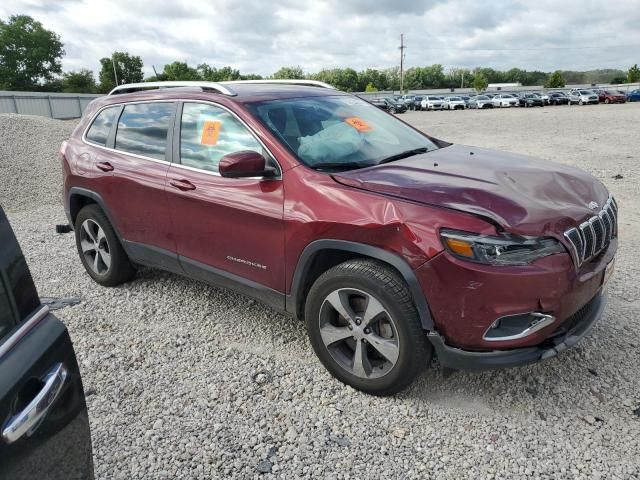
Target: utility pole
point(115, 74)
point(402, 47)
point(462, 80)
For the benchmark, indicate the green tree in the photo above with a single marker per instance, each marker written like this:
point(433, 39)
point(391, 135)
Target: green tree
point(78, 82)
point(480, 82)
point(180, 71)
point(29, 54)
point(128, 67)
point(633, 75)
point(555, 80)
point(289, 73)
point(618, 80)
point(370, 88)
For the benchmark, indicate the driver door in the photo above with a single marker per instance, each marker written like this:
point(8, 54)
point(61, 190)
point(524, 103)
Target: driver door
point(44, 428)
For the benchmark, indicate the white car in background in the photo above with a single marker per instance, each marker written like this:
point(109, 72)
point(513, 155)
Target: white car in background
point(582, 97)
point(454, 103)
point(505, 100)
point(431, 102)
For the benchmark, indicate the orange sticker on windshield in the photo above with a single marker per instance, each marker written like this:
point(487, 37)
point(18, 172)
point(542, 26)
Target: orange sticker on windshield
point(358, 124)
point(210, 133)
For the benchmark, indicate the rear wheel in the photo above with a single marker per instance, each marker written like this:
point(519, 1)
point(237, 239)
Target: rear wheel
point(99, 248)
point(365, 329)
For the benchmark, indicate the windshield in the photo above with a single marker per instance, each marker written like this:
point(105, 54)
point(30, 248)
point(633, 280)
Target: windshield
point(338, 131)
point(586, 92)
point(482, 97)
point(455, 99)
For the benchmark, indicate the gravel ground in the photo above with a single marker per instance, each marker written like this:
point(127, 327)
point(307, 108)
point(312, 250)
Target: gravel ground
point(189, 381)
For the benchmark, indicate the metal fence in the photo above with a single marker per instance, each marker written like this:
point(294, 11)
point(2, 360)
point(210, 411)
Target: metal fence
point(53, 105)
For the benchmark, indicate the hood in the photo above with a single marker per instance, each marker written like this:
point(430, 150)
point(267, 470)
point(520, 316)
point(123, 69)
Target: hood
point(524, 195)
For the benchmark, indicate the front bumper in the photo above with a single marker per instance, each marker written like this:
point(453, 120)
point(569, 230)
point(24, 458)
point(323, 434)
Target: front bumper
point(579, 326)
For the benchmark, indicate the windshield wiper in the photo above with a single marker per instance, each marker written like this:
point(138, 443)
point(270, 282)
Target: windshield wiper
point(405, 154)
point(335, 165)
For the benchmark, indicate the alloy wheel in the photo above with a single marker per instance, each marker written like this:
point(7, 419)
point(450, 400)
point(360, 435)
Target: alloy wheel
point(95, 247)
point(359, 333)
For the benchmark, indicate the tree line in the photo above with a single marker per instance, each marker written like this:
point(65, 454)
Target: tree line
point(30, 59)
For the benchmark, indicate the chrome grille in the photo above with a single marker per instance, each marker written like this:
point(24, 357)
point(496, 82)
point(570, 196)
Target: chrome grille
point(593, 236)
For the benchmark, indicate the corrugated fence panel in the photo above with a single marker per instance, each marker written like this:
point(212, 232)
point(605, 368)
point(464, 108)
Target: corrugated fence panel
point(68, 107)
point(33, 106)
point(53, 105)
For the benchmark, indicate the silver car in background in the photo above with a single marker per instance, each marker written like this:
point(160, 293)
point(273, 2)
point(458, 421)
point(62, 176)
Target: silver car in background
point(582, 97)
point(505, 100)
point(480, 101)
point(431, 102)
point(454, 103)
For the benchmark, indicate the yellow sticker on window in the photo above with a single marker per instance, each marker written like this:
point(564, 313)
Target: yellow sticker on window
point(210, 133)
point(359, 124)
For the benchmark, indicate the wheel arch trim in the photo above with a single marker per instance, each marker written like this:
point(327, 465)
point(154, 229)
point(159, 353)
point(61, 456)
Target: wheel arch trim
point(97, 198)
point(305, 261)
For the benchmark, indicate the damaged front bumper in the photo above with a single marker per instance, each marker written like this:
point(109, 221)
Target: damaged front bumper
point(567, 336)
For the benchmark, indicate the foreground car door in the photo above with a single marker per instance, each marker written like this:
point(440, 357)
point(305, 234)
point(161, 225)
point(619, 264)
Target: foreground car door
point(44, 428)
point(225, 228)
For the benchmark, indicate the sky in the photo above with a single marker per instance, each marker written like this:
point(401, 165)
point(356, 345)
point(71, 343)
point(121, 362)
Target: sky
point(259, 36)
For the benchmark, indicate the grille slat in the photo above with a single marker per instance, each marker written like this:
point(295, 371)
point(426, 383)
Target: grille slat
point(594, 235)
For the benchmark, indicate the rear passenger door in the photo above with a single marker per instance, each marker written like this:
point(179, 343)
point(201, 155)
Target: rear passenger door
point(44, 428)
point(140, 157)
point(224, 225)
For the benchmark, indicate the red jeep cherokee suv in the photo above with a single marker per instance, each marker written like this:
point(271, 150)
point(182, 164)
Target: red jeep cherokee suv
point(390, 244)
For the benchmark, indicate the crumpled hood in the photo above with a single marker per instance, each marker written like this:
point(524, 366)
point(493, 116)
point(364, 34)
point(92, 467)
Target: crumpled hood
point(524, 195)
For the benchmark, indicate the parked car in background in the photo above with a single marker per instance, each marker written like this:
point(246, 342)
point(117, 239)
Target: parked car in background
point(558, 98)
point(504, 100)
point(390, 105)
point(480, 101)
point(633, 96)
point(361, 238)
point(611, 96)
point(454, 103)
point(530, 100)
point(466, 99)
point(582, 97)
point(415, 104)
point(44, 425)
point(432, 102)
point(543, 96)
point(406, 100)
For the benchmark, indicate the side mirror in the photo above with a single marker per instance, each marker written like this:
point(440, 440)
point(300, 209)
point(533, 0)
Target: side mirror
point(246, 163)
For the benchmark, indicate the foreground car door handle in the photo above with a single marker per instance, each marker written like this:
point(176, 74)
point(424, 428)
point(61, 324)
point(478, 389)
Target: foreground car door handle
point(183, 185)
point(29, 419)
point(104, 166)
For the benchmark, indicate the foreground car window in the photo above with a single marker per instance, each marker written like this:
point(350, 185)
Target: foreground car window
point(338, 131)
point(143, 128)
point(99, 131)
point(208, 133)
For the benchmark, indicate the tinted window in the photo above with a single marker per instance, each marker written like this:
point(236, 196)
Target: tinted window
point(208, 133)
point(99, 131)
point(143, 128)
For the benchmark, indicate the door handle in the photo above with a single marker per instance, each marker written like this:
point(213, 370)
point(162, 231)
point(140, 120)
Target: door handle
point(183, 185)
point(104, 166)
point(29, 419)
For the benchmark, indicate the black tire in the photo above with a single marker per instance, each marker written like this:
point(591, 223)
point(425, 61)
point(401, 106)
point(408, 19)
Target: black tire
point(120, 268)
point(375, 279)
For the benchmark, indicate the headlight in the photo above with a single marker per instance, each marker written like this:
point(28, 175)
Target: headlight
point(501, 251)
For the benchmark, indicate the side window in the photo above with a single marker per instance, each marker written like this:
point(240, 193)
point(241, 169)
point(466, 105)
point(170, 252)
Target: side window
point(99, 130)
point(143, 127)
point(208, 133)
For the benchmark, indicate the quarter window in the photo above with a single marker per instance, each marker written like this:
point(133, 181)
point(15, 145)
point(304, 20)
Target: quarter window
point(143, 128)
point(101, 126)
point(208, 133)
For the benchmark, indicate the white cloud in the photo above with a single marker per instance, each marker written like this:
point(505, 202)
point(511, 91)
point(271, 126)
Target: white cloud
point(256, 36)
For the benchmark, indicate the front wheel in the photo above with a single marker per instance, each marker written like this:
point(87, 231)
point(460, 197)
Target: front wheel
point(365, 329)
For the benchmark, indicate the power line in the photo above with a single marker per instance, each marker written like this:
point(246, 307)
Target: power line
point(531, 49)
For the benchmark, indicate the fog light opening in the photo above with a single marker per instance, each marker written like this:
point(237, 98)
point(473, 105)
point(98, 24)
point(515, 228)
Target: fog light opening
point(520, 325)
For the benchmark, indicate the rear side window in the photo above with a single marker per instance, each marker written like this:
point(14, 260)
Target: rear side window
point(208, 133)
point(142, 129)
point(101, 126)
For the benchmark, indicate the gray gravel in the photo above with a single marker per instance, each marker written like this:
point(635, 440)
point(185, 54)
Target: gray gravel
point(190, 381)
